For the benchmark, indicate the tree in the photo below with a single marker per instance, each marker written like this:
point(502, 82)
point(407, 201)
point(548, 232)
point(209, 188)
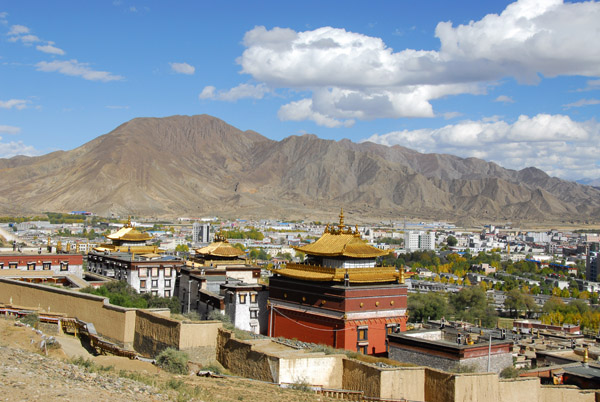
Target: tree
point(182, 248)
point(471, 304)
point(451, 241)
point(424, 306)
point(514, 302)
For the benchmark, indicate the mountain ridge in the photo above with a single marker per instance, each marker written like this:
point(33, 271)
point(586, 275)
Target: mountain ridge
point(201, 165)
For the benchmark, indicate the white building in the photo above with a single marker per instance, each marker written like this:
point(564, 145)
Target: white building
point(419, 240)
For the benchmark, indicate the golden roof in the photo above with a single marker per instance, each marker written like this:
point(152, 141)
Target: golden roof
point(129, 233)
point(220, 248)
point(355, 275)
point(341, 242)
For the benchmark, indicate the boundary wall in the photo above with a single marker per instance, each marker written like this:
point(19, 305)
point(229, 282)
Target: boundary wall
point(145, 331)
point(268, 361)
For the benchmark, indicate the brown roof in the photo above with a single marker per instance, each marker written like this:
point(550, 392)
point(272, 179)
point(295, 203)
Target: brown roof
point(220, 249)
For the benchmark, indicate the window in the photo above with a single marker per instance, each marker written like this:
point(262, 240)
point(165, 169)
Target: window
point(155, 283)
point(168, 272)
point(155, 293)
point(167, 283)
point(242, 298)
point(253, 313)
point(167, 293)
point(46, 266)
point(31, 266)
point(12, 265)
point(252, 297)
point(142, 284)
point(154, 271)
point(143, 272)
point(64, 265)
point(362, 333)
point(392, 328)
point(362, 349)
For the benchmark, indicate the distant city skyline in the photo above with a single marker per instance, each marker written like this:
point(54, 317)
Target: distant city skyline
point(516, 83)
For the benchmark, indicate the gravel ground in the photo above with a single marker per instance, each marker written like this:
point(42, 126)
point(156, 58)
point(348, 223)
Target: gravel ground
point(29, 376)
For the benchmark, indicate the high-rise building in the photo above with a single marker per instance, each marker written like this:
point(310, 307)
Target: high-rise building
point(419, 240)
point(200, 232)
point(591, 266)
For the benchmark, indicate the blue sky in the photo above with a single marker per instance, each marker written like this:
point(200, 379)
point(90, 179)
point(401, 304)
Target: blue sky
point(517, 83)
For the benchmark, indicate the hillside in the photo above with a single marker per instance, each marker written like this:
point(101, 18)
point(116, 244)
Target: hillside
point(198, 165)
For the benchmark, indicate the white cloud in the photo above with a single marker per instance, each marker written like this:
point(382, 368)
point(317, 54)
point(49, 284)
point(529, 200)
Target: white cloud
point(183, 68)
point(18, 104)
point(553, 143)
point(13, 148)
point(504, 99)
point(239, 92)
point(9, 130)
point(354, 76)
point(18, 30)
point(50, 48)
point(75, 68)
point(582, 102)
point(303, 110)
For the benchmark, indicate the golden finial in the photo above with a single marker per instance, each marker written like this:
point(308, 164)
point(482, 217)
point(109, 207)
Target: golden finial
point(585, 356)
point(341, 225)
point(48, 240)
point(128, 224)
point(401, 279)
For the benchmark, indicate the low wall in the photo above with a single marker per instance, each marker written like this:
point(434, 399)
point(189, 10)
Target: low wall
point(238, 357)
point(249, 359)
point(439, 386)
point(155, 332)
point(112, 322)
point(476, 387)
point(519, 389)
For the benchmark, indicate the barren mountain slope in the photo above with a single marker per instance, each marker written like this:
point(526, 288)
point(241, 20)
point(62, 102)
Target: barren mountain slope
point(199, 164)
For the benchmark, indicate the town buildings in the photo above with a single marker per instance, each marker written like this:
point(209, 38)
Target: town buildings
point(218, 279)
point(338, 295)
point(129, 258)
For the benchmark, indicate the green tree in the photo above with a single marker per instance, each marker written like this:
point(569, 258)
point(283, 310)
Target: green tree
point(182, 248)
point(424, 306)
point(451, 241)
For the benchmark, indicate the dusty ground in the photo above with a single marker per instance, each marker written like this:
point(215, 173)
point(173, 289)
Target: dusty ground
point(27, 374)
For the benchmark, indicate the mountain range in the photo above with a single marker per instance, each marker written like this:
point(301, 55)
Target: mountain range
point(199, 165)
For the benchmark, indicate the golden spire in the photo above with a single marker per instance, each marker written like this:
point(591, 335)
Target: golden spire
point(128, 224)
point(341, 225)
point(585, 356)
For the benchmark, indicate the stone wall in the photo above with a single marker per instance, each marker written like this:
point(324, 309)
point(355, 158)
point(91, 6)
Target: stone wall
point(256, 359)
point(238, 357)
point(499, 361)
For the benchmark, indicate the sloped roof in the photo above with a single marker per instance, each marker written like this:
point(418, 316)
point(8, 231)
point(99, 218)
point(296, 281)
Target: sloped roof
point(342, 245)
point(129, 233)
point(220, 249)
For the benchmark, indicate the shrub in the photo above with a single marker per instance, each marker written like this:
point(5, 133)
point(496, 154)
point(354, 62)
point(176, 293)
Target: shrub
point(509, 372)
point(172, 360)
point(30, 319)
